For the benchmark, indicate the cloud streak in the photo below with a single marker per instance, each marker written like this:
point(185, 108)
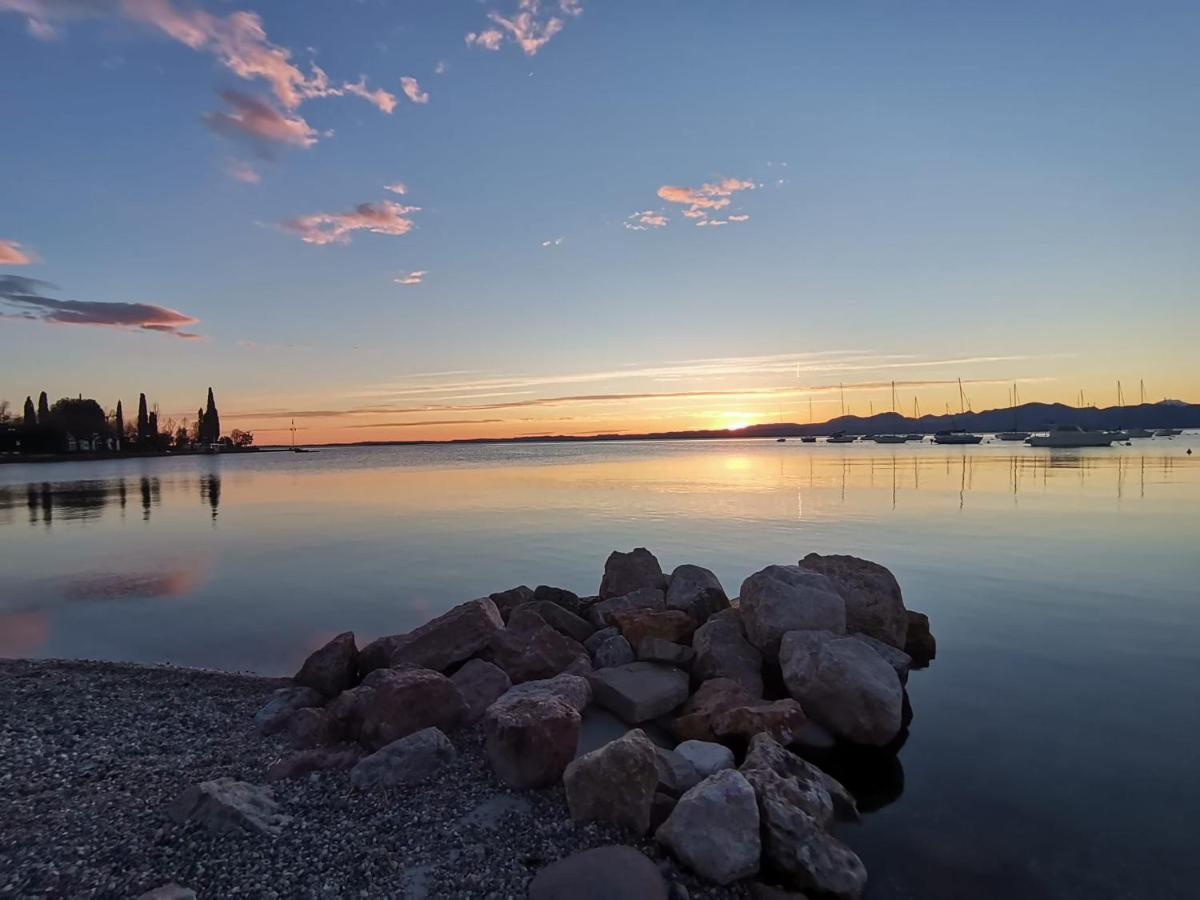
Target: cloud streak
point(12, 254)
point(253, 119)
point(412, 277)
point(28, 298)
point(531, 26)
point(385, 217)
point(412, 90)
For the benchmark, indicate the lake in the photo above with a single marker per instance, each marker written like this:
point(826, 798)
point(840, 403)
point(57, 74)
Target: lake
point(1052, 750)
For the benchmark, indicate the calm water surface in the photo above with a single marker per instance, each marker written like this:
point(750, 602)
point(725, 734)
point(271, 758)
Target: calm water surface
point(1054, 743)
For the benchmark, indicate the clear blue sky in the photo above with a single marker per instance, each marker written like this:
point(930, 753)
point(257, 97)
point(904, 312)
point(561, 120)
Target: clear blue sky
point(997, 191)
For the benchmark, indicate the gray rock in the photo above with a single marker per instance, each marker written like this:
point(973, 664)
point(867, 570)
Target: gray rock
point(169, 891)
point(775, 771)
point(844, 685)
point(613, 652)
point(561, 597)
point(409, 760)
point(600, 636)
point(658, 650)
point(779, 599)
point(714, 828)
point(507, 601)
point(614, 784)
point(575, 689)
point(919, 642)
point(795, 844)
point(601, 612)
point(564, 620)
point(604, 873)
point(451, 638)
point(900, 661)
point(531, 739)
point(722, 651)
point(874, 604)
point(333, 668)
point(274, 715)
point(706, 757)
point(226, 805)
point(696, 591)
point(480, 684)
point(639, 691)
point(676, 773)
point(626, 572)
point(404, 701)
point(529, 650)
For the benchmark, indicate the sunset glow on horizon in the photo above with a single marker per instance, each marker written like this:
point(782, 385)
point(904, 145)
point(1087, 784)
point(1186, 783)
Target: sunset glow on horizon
point(451, 220)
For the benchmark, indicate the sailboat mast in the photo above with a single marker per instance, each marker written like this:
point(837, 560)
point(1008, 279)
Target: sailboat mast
point(962, 403)
point(842, 391)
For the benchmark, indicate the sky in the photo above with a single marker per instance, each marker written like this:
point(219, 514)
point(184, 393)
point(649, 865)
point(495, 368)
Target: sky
point(439, 219)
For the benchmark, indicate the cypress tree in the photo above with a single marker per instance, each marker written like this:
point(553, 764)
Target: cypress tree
point(143, 422)
point(152, 426)
point(120, 422)
point(30, 414)
point(212, 420)
point(43, 412)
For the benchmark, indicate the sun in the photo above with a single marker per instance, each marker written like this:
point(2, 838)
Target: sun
point(734, 421)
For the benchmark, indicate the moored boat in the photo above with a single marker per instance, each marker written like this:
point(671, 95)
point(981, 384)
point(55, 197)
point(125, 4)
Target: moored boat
point(956, 437)
point(1070, 436)
point(841, 438)
point(1012, 435)
point(889, 439)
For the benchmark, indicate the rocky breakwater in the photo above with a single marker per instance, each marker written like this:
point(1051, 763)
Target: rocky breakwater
point(717, 704)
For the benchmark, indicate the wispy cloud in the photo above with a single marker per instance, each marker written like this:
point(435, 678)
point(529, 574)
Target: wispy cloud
point(701, 202)
point(531, 26)
point(27, 297)
point(384, 217)
point(256, 120)
point(13, 254)
point(412, 90)
point(412, 277)
point(385, 101)
point(425, 422)
point(240, 170)
point(645, 220)
point(397, 187)
point(441, 68)
point(552, 242)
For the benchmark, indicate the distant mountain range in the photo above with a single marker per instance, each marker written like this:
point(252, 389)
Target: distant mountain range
point(1026, 417)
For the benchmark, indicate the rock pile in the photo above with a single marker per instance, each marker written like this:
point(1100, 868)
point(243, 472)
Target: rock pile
point(823, 647)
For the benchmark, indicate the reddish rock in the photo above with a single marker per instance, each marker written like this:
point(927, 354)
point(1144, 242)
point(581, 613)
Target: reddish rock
point(451, 638)
point(531, 739)
point(781, 719)
point(694, 722)
point(601, 613)
point(639, 625)
point(404, 701)
point(614, 783)
point(539, 652)
point(626, 572)
point(333, 668)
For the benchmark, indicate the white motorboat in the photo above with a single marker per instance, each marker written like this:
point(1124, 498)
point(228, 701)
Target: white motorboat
point(889, 438)
point(1138, 433)
point(1011, 435)
point(1071, 436)
point(956, 437)
point(841, 438)
point(1168, 432)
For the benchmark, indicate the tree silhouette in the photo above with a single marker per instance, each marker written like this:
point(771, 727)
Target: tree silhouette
point(30, 414)
point(43, 411)
point(212, 421)
point(143, 422)
point(152, 427)
point(119, 421)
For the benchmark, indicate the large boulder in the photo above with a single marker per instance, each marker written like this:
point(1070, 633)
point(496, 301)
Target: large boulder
point(658, 650)
point(563, 620)
point(403, 701)
point(813, 860)
point(409, 760)
point(226, 805)
point(706, 757)
point(774, 770)
point(572, 688)
point(919, 643)
point(480, 684)
point(844, 685)
point(507, 601)
point(616, 651)
point(451, 638)
point(874, 604)
point(696, 591)
point(527, 651)
point(614, 783)
point(638, 625)
point(722, 651)
point(639, 691)
point(900, 661)
point(779, 599)
point(561, 597)
point(714, 828)
point(600, 874)
point(531, 739)
point(782, 719)
point(601, 613)
point(333, 668)
point(695, 720)
point(282, 704)
point(625, 572)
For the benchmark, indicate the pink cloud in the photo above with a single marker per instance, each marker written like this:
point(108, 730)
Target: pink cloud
point(384, 100)
point(11, 254)
point(28, 298)
point(385, 217)
point(644, 221)
point(412, 90)
point(531, 27)
point(398, 187)
point(240, 170)
point(412, 277)
point(707, 198)
point(254, 118)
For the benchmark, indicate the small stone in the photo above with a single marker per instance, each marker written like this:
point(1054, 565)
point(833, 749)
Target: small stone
point(639, 691)
point(317, 759)
point(600, 636)
point(564, 620)
point(601, 613)
point(226, 805)
point(706, 757)
point(615, 651)
point(575, 689)
point(333, 668)
point(676, 773)
point(658, 650)
point(480, 684)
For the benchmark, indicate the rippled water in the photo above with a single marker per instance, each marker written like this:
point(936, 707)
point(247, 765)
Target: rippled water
point(1053, 744)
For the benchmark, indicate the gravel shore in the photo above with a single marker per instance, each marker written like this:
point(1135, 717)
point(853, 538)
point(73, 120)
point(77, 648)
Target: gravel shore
point(91, 755)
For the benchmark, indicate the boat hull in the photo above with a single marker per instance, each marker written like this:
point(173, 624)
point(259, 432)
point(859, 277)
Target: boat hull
point(1061, 443)
point(956, 439)
point(1012, 435)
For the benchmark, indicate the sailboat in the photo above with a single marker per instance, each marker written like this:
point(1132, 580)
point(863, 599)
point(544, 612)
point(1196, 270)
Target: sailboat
point(891, 438)
point(957, 435)
point(1013, 435)
point(808, 438)
point(916, 416)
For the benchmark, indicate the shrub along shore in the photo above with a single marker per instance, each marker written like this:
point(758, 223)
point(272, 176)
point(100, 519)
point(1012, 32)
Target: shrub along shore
point(653, 740)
